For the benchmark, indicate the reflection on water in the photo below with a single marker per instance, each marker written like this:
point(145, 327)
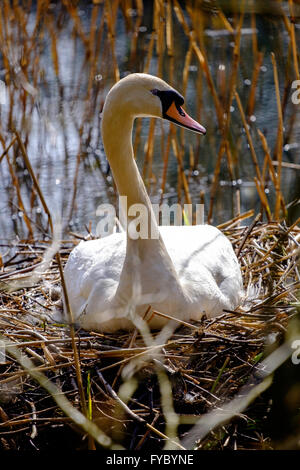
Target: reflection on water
point(65, 64)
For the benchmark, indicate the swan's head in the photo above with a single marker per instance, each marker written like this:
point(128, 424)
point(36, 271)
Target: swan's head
point(140, 95)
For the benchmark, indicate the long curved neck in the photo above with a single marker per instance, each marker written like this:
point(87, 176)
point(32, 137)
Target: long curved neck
point(117, 140)
point(117, 128)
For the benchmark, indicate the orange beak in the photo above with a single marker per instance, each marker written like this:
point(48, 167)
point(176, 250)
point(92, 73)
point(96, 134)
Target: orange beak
point(179, 116)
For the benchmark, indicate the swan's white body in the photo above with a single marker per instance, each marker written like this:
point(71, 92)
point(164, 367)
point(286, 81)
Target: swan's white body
point(185, 272)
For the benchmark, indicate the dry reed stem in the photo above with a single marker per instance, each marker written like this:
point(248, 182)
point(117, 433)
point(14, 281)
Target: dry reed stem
point(215, 181)
point(7, 149)
point(21, 205)
point(291, 30)
point(178, 155)
point(279, 143)
point(249, 138)
point(255, 75)
point(268, 156)
point(110, 21)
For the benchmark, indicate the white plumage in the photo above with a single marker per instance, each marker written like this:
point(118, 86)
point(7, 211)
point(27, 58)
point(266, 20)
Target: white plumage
point(94, 268)
point(187, 271)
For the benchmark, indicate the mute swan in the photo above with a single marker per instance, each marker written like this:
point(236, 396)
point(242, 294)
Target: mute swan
point(184, 272)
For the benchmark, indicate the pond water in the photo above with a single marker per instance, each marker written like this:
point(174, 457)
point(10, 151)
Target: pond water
point(44, 56)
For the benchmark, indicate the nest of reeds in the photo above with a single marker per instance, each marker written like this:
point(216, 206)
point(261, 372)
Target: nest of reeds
point(205, 363)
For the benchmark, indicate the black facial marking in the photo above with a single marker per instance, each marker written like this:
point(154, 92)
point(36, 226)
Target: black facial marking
point(167, 98)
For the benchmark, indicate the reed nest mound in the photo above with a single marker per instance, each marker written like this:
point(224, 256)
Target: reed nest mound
point(199, 369)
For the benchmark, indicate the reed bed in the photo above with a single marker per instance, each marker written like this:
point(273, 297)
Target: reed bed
point(206, 362)
point(63, 387)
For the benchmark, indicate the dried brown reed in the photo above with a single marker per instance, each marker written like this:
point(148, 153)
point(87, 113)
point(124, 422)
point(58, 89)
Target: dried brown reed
point(195, 357)
point(202, 364)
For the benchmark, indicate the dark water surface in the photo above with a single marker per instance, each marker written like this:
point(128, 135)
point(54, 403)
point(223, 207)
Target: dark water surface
point(60, 124)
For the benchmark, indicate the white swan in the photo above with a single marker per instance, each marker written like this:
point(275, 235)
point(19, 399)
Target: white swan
point(184, 272)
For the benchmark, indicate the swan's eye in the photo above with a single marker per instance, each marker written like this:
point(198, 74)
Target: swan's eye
point(155, 91)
